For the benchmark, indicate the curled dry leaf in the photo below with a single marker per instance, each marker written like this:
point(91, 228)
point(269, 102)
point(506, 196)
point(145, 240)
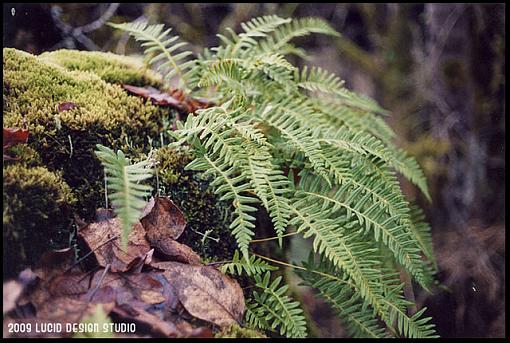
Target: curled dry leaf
point(66, 106)
point(102, 238)
point(205, 292)
point(69, 310)
point(190, 104)
point(154, 323)
point(175, 98)
point(157, 97)
point(158, 326)
point(176, 251)
point(161, 219)
point(149, 291)
point(12, 137)
point(164, 222)
point(137, 264)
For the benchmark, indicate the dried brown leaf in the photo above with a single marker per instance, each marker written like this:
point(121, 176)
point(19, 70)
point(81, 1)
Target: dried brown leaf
point(66, 106)
point(162, 219)
point(54, 262)
point(176, 251)
point(157, 97)
point(102, 238)
point(14, 136)
point(206, 293)
point(142, 290)
point(69, 309)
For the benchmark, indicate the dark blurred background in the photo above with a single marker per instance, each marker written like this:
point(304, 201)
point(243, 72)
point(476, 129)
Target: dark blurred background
point(440, 70)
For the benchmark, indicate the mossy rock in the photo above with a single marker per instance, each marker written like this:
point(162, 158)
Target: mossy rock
point(110, 67)
point(36, 214)
point(34, 86)
point(62, 143)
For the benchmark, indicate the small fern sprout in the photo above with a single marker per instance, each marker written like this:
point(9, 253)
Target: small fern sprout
point(127, 193)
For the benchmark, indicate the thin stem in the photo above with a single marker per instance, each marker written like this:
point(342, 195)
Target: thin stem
point(89, 253)
point(273, 238)
point(302, 268)
point(105, 189)
point(219, 262)
point(98, 283)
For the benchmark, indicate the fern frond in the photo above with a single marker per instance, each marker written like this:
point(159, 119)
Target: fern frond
point(254, 266)
point(221, 71)
point(300, 138)
point(296, 28)
point(126, 193)
point(317, 79)
point(156, 42)
point(256, 28)
point(362, 143)
point(355, 120)
point(370, 219)
point(394, 306)
point(422, 232)
point(361, 322)
point(274, 66)
point(277, 308)
point(356, 259)
point(273, 117)
point(255, 318)
point(231, 186)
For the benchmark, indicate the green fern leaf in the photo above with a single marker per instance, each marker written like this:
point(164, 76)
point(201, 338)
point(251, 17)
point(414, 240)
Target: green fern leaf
point(254, 266)
point(278, 309)
point(157, 42)
point(126, 193)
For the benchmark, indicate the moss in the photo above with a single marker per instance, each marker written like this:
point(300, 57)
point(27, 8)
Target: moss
point(110, 67)
point(236, 331)
point(25, 155)
point(37, 208)
point(205, 213)
point(62, 143)
point(65, 141)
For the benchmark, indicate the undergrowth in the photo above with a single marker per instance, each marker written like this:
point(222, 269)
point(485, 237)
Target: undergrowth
point(319, 158)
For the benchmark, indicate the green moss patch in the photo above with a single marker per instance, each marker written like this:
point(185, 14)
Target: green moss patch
point(110, 67)
point(37, 207)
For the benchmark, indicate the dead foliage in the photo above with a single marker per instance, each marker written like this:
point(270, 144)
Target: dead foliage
point(173, 295)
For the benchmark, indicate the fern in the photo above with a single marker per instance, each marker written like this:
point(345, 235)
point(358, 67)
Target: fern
point(126, 193)
point(276, 308)
point(239, 265)
point(362, 322)
point(272, 117)
point(160, 47)
point(348, 305)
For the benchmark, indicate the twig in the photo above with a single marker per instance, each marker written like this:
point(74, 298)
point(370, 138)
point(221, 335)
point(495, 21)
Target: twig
point(98, 283)
point(96, 24)
point(71, 34)
point(89, 253)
